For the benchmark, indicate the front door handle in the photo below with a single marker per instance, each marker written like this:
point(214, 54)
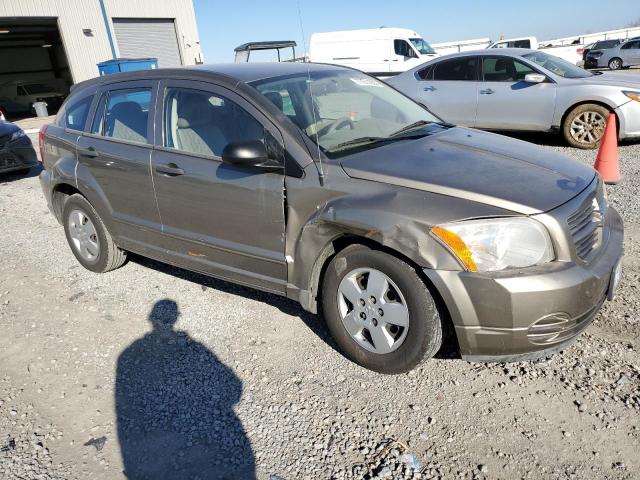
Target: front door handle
point(170, 169)
point(486, 91)
point(89, 152)
point(429, 88)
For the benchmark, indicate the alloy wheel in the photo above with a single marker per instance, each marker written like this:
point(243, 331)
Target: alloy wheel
point(588, 127)
point(83, 235)
point(373, 310)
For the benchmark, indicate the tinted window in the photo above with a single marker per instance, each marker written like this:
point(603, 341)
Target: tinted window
point(456, 69)
point(403, 48)
point(606, 44)
point(127, 114)
point(75, 115)
point(203, 123)
point(504, 69)
point(631, 45)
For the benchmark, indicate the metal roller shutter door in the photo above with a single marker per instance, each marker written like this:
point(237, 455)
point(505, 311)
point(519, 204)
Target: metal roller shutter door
point(141, 38)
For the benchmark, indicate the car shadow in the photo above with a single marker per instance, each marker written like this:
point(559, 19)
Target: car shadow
point(6, 177)
point(315, 323)
point(285, 305)
point(174, 404)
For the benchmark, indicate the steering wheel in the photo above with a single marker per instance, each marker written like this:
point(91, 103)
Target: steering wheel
point(338, 124)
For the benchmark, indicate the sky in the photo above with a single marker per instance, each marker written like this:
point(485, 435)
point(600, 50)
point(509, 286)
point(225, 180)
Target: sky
point(225, 24)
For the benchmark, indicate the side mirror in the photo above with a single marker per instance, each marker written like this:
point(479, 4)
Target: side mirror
point(535, 78)
point(251, 153)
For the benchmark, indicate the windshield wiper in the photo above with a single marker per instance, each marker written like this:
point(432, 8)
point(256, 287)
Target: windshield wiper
point(411, 126)
point(357, 141)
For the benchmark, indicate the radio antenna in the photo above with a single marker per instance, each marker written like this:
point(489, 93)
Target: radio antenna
point(313, 106)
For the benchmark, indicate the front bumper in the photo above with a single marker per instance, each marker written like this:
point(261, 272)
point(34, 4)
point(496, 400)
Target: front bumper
point(496, 316)
point(17, 155)
point(629, 118)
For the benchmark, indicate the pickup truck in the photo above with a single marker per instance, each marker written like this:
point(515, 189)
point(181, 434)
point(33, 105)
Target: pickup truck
point(571, 53)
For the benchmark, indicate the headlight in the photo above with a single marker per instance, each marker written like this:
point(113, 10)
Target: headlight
point(497, 244)
point(16, 135)
point(633, 95)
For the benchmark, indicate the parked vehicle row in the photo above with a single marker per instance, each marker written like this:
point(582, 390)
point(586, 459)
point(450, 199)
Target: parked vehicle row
point(520, 89)
point(570, 53)
point(326, 185)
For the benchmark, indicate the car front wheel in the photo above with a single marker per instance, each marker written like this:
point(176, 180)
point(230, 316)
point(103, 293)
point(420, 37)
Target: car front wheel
point(88, 238)
point(379, 310)
point(584, 125)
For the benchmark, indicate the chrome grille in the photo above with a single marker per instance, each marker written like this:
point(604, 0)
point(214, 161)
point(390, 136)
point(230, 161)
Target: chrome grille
point(586, 223)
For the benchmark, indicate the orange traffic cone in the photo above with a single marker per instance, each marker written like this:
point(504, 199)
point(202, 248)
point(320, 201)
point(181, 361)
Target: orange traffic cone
point(607, 159)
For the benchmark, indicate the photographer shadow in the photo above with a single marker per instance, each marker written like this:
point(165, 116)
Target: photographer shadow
point(174, 406)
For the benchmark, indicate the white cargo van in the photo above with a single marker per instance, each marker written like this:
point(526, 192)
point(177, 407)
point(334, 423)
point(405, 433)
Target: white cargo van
point(378, 51)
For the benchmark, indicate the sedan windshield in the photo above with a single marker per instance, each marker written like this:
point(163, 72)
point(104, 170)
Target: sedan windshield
point(557, 65)
point(423, 47)
point(344, 109)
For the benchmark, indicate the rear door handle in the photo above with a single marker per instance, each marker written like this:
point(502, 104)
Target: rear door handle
point(429, 88)
point(89, 152)
point(486, 91)
point(170, 169)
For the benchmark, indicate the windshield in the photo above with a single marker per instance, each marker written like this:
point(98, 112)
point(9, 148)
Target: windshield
point(348, 107)
point(35, 88)
point(557, 65)
point(423, 47)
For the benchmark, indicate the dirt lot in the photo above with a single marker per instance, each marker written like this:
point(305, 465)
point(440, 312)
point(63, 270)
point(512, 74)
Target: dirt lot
point(172, 375)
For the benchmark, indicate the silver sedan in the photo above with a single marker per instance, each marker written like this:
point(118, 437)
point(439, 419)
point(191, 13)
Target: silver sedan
point(521, 89)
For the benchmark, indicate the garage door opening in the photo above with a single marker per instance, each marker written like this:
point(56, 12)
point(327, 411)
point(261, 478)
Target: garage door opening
point(33, 66)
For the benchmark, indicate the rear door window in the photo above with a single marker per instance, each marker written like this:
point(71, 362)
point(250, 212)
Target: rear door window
point(464, 69)
point(127, 115)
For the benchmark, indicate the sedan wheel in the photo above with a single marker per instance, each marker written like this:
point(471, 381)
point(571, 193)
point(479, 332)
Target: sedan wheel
point(584, 125)
point(615, 64)
point(588, 127)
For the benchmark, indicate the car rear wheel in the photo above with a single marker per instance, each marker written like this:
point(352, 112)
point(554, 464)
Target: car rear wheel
point(379, 310)
point(615, 63)
point(88, 238)
point(584, 125)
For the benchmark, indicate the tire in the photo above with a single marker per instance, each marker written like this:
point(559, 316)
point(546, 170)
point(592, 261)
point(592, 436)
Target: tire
point(420, 339)
point(107, 256)
point(615, 63)
point(583, 126)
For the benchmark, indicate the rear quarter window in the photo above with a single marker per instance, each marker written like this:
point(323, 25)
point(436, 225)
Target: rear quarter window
point(73, 114)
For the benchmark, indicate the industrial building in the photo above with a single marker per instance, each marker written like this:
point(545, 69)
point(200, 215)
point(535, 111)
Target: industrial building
point(59, 42)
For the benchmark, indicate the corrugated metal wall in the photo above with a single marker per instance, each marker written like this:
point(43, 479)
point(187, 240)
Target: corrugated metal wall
point(84, 52)
point(148, 37)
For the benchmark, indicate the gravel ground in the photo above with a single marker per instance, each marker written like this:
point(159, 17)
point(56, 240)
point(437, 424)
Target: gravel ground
point(167, 374)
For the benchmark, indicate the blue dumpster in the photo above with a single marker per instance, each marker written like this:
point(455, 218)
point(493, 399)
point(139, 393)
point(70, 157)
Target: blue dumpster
point(126, 65)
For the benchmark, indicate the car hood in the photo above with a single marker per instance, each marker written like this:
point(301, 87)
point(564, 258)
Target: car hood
point(616, 79)
point(7, 128)
point(478, 166)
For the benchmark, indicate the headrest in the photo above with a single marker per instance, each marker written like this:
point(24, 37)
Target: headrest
point(126, 109)
point(276, 99)
point(193, 110)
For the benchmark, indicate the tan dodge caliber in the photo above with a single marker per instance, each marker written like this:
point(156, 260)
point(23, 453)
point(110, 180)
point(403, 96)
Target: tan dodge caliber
point(329, 187)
